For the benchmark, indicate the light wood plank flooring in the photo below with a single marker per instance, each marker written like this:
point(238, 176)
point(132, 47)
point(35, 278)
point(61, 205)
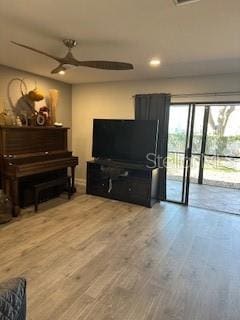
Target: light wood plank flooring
point(92, 258)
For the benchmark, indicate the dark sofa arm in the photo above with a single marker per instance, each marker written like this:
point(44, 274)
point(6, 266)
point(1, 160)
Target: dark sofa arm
point(13, 299)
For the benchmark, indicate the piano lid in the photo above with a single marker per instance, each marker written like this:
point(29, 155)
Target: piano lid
point(24, 140)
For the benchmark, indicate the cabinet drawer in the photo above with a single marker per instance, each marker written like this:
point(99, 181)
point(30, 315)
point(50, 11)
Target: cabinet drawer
point(119, 188)
point(139, 188)
point(97, 186)
point(139, 193)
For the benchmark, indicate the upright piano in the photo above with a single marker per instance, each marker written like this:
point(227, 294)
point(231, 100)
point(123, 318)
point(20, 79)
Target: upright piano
point(29, 154)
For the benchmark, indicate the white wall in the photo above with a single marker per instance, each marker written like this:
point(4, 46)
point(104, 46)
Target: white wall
point(80, 104)
point(114, 100)
point(64, 108)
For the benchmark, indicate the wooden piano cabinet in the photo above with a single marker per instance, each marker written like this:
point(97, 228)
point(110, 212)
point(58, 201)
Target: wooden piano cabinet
point(32, 153)
point(14, 183)
point(73, 188)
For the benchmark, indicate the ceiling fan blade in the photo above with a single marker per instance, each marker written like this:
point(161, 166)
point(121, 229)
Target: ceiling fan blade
point(107, 65)
point(58, 69)
point(38, 51)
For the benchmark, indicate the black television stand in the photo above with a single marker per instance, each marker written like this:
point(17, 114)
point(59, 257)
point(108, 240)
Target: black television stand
point(129, 182)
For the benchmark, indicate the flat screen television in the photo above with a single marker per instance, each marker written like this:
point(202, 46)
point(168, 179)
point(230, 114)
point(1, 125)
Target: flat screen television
point(124, 140)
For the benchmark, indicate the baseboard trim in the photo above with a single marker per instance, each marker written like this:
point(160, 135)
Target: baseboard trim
point(80, 182)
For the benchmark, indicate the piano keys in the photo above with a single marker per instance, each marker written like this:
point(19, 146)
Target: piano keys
point(30, 151)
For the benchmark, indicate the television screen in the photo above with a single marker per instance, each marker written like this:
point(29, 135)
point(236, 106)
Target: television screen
point(126, 140)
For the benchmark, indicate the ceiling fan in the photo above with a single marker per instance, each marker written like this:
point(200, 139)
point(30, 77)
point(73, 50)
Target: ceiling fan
point(70, 60)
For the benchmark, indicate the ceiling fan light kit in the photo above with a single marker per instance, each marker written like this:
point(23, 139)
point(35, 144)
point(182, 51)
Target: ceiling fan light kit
point(69, 59)
point(155, 62)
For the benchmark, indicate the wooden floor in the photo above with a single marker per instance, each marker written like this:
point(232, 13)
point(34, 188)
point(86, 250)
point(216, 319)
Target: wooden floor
point(92, 258)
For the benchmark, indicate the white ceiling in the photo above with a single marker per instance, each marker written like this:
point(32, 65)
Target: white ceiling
point(196, 39)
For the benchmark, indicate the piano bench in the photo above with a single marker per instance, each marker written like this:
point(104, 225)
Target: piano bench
point(38, 188)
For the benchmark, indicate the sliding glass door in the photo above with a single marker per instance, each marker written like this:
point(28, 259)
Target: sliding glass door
point(204, 147)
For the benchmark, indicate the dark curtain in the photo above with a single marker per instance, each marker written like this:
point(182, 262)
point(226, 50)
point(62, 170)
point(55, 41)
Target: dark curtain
point(156, 107)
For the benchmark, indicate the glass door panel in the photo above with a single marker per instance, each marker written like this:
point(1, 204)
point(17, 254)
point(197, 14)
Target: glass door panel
point(180, 119)
point(198, 144)
point(223, 146)
point(223, 138)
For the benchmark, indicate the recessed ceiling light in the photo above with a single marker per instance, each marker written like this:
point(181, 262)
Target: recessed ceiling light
point(62, 72)
point(154, 62)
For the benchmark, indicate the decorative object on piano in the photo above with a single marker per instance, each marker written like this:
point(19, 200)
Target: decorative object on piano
point(5, 208)
point(2, 119)
point(53, 100)
point(42, 118)
point(6, 116)
point(2, 104)
point(2, 115)
point(18, 122)
point(25, 105)
point(58, 124)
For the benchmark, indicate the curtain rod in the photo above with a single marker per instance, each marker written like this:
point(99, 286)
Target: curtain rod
point(233, 93)
point(183, 95)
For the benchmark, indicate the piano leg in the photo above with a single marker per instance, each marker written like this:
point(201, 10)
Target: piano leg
point(15, 198)
point(73, 189)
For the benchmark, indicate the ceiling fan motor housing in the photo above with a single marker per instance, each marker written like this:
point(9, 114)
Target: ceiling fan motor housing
point(70, 43)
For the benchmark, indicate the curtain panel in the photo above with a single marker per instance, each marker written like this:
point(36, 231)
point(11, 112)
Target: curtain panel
point(156, 107)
